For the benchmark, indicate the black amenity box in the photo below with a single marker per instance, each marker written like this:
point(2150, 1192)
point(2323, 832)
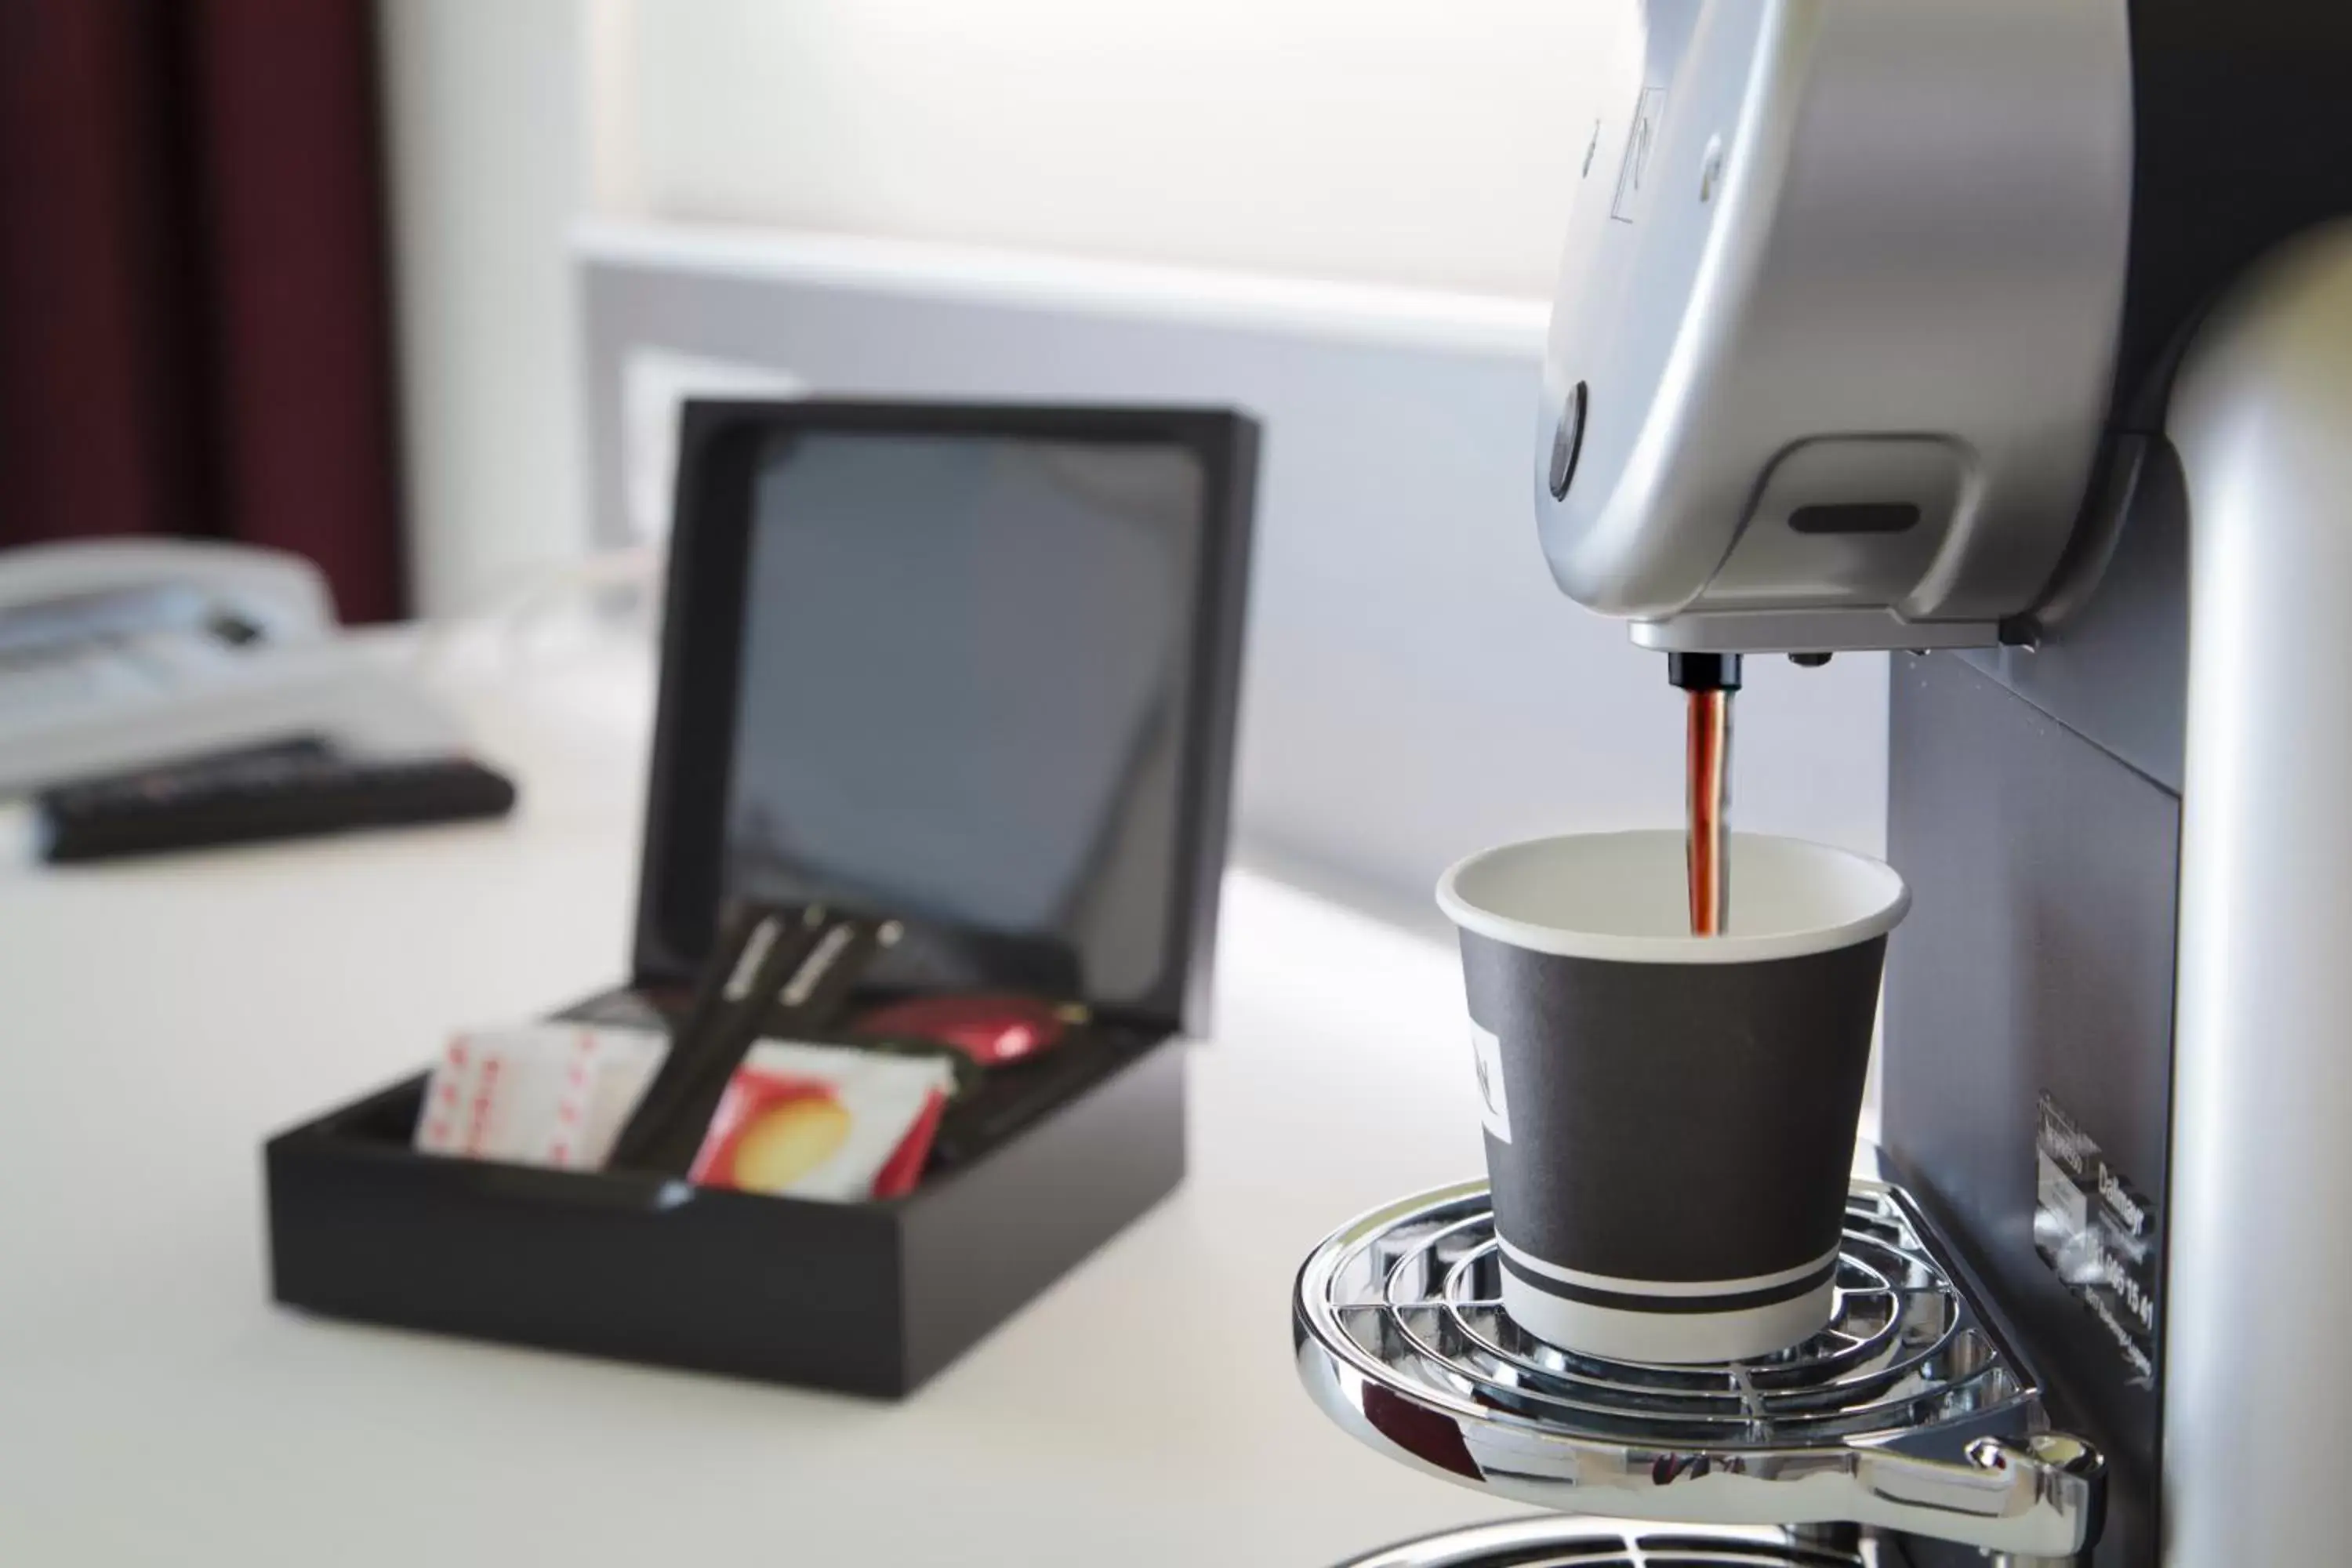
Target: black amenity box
point(976, 665)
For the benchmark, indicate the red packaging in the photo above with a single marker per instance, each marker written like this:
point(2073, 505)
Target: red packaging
point(993, 1029)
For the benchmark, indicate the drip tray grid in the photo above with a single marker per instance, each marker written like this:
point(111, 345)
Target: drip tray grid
point(1908, 1412)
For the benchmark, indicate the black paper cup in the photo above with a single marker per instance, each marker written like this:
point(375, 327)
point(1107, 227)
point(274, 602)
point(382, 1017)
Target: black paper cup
point(1670, 1118)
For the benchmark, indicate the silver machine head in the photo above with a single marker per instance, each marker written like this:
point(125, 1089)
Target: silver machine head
point(1835, 334)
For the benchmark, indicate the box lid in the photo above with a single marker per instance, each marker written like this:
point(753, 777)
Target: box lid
point(973, 665)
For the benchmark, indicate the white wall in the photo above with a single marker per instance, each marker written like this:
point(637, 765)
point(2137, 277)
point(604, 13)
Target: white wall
point(1388, 141)
point(490, 172)
point(1394, 142)
point(1384, 142)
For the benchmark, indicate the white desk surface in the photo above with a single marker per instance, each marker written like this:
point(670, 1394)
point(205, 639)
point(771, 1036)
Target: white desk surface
point(159, 1019)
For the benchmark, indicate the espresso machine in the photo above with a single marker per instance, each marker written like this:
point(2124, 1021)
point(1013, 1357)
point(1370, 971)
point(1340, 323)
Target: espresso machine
point(2014, 338)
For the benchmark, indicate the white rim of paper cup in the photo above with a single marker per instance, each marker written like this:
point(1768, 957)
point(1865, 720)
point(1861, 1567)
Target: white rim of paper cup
point(1622, 897)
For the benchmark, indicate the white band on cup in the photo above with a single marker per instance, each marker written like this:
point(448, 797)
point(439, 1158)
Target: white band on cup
point(1671, 1338)
point(1616, 1286)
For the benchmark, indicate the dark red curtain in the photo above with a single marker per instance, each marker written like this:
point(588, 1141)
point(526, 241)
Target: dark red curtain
point(194, 315)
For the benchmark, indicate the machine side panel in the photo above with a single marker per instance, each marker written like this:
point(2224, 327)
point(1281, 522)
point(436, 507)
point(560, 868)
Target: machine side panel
point(2240, 140)
point(2256, 1357)
point(2035, 970)
point(2117, 668)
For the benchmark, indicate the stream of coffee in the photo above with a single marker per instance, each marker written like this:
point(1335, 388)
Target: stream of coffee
point(1706, 681)
point(1709, 762)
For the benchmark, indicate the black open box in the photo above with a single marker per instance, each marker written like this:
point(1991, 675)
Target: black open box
point(1027, 518)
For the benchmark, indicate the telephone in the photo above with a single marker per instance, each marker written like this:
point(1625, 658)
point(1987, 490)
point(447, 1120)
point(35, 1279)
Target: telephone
point(120, 654)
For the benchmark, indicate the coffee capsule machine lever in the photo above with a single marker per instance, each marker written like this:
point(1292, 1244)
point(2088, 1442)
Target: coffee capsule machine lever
point(2014, 337)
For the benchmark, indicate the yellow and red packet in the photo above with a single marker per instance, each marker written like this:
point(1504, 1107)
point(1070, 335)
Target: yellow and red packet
point(828, 1122)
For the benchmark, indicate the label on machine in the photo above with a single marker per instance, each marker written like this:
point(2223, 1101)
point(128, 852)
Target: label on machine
point(2097, 1232)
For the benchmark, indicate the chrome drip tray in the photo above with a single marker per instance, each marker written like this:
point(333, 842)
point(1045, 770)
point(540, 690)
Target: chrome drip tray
point(1906, 1413)
point(1575, 1543)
